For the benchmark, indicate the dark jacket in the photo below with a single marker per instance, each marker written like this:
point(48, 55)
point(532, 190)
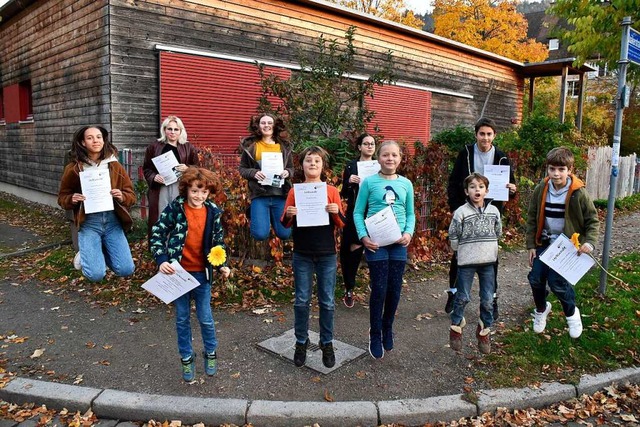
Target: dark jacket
point(349, 192)
point(188, 155)
point(462, 168)
point(249, 166)
point(70, 184)
point(169, 234)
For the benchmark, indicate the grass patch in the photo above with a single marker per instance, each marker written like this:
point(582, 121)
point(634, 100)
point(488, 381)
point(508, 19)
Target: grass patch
point(611, 337)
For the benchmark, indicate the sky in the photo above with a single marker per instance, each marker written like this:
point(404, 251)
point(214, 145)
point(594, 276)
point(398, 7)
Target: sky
point(418, 6)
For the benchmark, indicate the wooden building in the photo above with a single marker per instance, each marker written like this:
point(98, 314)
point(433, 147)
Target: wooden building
point(126, 64)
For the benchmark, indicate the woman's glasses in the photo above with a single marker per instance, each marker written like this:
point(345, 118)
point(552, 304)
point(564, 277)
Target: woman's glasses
point(173, 129)
point(368, 144)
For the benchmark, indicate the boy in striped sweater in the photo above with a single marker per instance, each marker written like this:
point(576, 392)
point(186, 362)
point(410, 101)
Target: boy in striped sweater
point(560, 204)
point(473, 233)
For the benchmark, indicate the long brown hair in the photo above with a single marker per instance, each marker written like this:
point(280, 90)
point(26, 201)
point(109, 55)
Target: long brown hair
point(79, 152)
point(279, 131)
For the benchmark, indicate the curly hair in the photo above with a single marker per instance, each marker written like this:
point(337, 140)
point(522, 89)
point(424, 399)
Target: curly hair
point(203, 178)
point(279, 130)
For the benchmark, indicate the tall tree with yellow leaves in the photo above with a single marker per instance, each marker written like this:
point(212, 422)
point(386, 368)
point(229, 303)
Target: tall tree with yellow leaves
point(494, 26)
point(393, 10)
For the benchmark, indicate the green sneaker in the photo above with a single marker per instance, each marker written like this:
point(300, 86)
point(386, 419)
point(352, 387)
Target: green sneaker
point(189, 368)
point(211, 363)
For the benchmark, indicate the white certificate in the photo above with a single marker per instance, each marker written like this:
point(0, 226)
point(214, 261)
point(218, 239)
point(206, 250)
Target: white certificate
point(272, 166)
point(498, 179)
point(169, 287)
point(311, 201)
point(368, 168)
point(96, 187)
point(562, 256)
point(165, 164)
point(383, 227)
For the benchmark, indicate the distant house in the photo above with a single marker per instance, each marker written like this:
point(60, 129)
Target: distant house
point(544, 28)
point(127, 64)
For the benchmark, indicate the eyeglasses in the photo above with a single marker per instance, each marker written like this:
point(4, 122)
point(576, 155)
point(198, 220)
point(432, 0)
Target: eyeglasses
point(173, 129)
point(368, 144)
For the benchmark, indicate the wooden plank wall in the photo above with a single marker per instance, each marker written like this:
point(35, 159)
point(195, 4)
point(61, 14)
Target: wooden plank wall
point(62, 47)
point(275, 30)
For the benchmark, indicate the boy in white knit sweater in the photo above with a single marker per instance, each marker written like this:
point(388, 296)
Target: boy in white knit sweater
point(473, 233)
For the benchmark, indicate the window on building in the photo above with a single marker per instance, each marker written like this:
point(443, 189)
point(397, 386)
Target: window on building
point(554, 44)
point(26, 102)
point(1, 105)
point(573, 88)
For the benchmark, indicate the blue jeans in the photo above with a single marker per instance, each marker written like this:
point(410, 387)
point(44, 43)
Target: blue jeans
point(266, 212)
point(486, 276)
point(325, 268)
point(386, 267)
point(102, 243)
point(202, 297)
point(540, 276)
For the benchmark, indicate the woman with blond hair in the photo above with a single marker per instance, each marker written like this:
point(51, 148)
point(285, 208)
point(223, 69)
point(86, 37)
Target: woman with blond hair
point(173, 137)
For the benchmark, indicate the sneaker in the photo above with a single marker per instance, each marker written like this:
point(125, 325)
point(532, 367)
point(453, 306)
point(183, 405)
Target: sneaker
point(348, 299)
point(375, 346)
point(496, 313)
point(328, 355)
point(300, 354)
point(189, 368)
point(484, 338)
point(76, 261)
point(451, 297)
point(540, 319)
point(210, 363)
point(575, 324)
point(455, 335)
point(387, 340)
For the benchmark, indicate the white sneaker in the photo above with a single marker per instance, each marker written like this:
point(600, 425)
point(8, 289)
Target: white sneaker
point(575, 324)
point(540, 319)
point(76, 261)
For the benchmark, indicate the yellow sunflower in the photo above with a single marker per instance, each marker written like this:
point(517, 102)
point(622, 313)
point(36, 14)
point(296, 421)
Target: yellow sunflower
point(575, 240)
point(217, 256)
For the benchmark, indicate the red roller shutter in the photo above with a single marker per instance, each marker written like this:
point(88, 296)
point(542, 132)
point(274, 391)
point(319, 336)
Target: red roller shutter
point(214, 97)
point(402, 114)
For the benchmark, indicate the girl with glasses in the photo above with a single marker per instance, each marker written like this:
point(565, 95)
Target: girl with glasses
point(173, 137)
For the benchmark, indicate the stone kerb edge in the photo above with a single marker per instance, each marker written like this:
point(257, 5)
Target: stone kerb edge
point(53, 395)
point(522, 398)
point(589, 384)
point(280, 413)
point(190, 410)
point(429, 410)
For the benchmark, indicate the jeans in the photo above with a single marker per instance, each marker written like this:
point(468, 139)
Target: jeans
point(386, 267)
point(325, 268)
point(103, 244)
point(266, 212)
point(486, 276)
point(541, 275)
point(202, 297)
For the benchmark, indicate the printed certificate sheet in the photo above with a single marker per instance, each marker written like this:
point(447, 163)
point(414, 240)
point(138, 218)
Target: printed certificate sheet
point(272, 166)
point(169, 287)
point(96, 187)
point(498, 179)
point(368, 168)
point(311, 201)
point(383, 227)
point(563, 257)
point(165, 164)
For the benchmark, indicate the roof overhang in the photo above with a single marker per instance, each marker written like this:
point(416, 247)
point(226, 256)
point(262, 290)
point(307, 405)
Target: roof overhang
point(555, 68)
point(12, 8)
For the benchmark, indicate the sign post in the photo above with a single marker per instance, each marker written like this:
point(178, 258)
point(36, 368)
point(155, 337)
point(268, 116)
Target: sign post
point(627, 45)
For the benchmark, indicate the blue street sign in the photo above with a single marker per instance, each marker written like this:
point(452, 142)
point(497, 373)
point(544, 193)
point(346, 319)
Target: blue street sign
point(634, 46)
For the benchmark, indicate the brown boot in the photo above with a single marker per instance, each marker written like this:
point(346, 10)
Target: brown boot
point(455, 335)
point(484, 338)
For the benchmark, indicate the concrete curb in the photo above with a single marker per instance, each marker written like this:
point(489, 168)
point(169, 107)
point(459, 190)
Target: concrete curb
point(120, 405)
